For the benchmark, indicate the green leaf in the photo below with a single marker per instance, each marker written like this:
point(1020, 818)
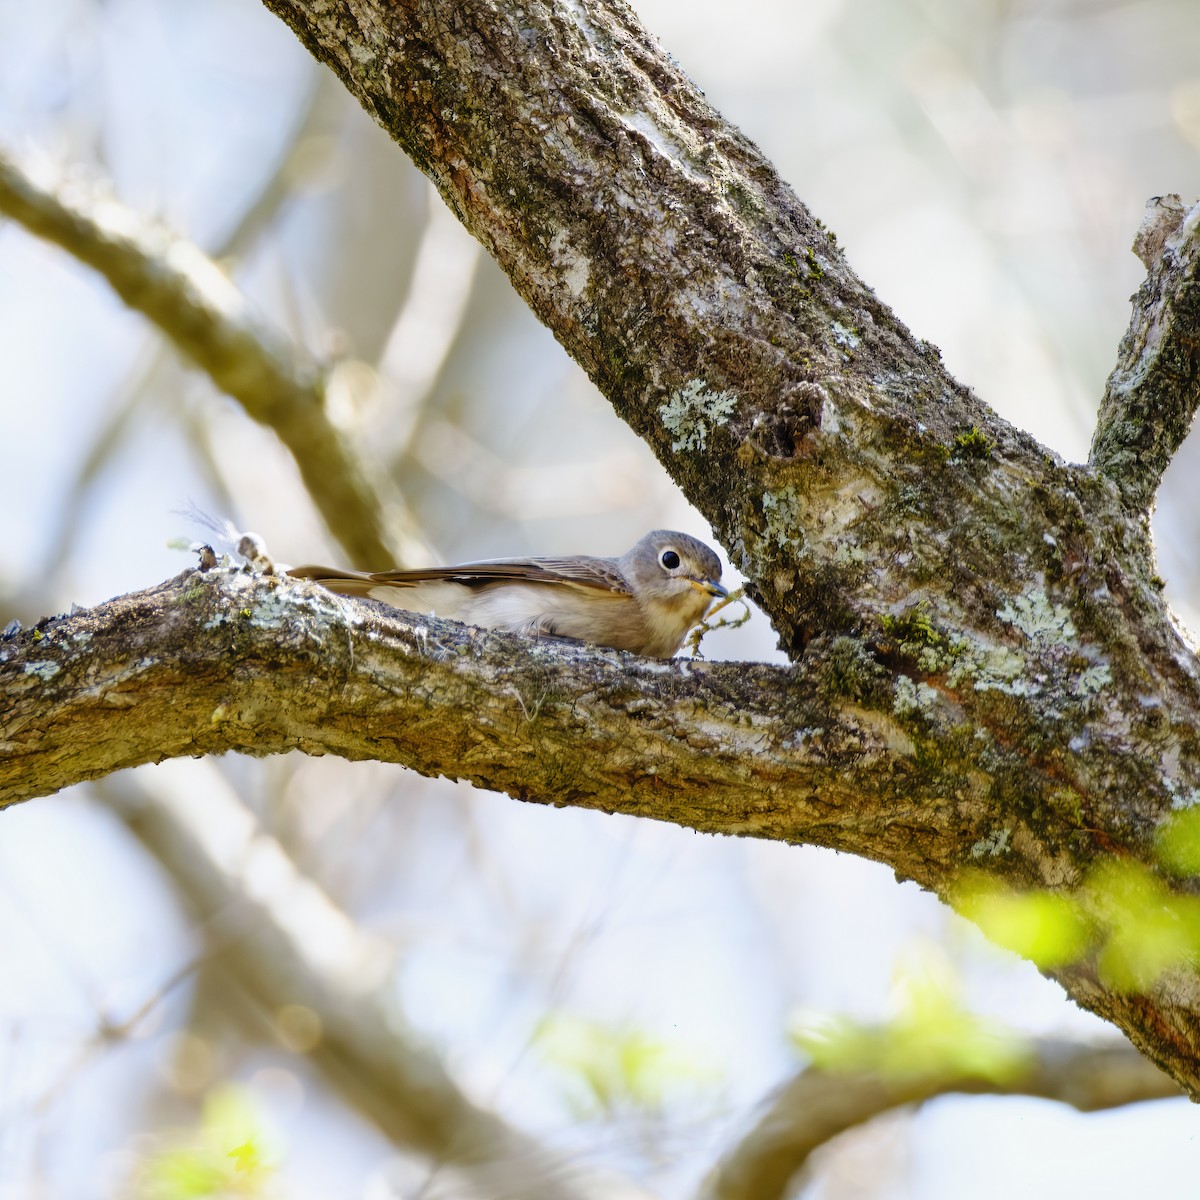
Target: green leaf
point(610, 1070)
point(931, 1035)
point(223, 1157)
point(1047, 927)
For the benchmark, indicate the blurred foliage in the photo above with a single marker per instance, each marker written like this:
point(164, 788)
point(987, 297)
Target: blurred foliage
point(612, 1071)
point(932, 1035)
point(1124, 916)
point(224, 1157)
point(1047, 927)
point(1148, 930)
point(1179, 843)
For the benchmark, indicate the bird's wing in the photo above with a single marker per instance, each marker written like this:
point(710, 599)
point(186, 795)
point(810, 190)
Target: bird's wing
point(578, 571)
point(346, 583)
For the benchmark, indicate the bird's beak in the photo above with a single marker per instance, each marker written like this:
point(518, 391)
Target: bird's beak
point(709, 587)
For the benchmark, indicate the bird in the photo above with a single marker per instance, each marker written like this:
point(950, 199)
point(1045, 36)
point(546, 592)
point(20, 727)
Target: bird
point(645, 601)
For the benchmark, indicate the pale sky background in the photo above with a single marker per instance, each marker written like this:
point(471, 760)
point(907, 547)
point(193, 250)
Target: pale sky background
point(985, 164)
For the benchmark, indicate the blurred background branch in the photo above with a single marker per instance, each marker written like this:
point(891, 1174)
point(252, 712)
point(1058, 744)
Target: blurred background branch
point(154, 380)
point(321, 986)
point(195, 304)
point(819, 1104)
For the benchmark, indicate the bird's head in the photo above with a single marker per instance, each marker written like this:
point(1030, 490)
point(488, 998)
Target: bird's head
point(674, 572)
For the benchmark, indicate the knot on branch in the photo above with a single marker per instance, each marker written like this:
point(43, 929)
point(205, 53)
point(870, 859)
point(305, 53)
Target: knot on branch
point(1161, 220)
point(781, 432)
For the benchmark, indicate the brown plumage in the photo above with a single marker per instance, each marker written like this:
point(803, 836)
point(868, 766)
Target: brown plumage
point(645, 601)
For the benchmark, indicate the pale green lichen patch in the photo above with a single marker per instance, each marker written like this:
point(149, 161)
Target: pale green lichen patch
point(973, 661)
point(929, 659)
point(1037, 618)
point(1181, 797)
point(693, 412)
point(273, 611)
point(277, 608)
point(845, 336)
point(1093, 680)
point(1062, 667)
point(910, 697)
point(989, 668)
point(281, 609)
point(992, 846)
point(1010, 687)
point(44, 670)
point(782, 512)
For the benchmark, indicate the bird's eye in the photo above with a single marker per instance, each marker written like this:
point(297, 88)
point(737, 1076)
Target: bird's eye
point(669, 559)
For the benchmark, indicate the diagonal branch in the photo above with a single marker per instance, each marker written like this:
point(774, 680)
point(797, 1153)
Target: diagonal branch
point(666, 254)
point(982, 603)
point(990, 677)
point(195, 304)
point(1154, 390)
point(287, 944)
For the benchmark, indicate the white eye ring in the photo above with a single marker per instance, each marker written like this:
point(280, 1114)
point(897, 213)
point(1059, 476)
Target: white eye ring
point(669, 558)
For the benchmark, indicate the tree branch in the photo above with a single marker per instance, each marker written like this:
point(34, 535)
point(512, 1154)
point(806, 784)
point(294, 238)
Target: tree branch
point(669, 259)
point(285, 943)
point(227, 660)
point(147, 376)
point(1153, 391)
point(195, 304)
point(990, 677)
point(818, 1105)
point(994, 614)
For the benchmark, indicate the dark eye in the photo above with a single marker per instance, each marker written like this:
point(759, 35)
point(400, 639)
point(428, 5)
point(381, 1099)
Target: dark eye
point(669, 559)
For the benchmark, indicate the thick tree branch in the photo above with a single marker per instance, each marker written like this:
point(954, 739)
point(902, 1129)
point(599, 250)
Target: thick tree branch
point(818, 1105)
point(995, 613)
point(669, 259)
point(227, 660)
point(195, 304)
point(1153, 391)
point(990, 676)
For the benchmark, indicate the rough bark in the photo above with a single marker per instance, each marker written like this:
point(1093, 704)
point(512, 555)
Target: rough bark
point(225, 660)
point(1150, 399)
point(987, 674)
point(995, 608)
